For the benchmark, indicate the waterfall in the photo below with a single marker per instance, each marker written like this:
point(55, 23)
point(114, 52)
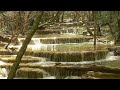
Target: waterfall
point(111, 56)
point(55, 40)
point(3, 71)
point(34, 44)
point(37, 44)
point(36, 41)
point(65, 48)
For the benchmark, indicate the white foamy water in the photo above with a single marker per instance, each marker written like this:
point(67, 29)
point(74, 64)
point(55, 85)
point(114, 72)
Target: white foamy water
point(3, 71)
point(111, 56)
point(3, 77)
point(50, 77)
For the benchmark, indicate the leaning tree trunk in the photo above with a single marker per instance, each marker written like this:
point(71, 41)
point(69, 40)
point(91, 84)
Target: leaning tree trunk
point(22, 50)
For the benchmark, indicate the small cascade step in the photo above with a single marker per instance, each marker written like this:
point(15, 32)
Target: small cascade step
point(70, 56)
point(25, 59)
point(2, 44)
point(64, 40)
point(60, 40)
point(56, 31)
point(38, 71)
point(47, 32)
point(56, 69)
point(6, 52)
point(31, 73)
point(67, 24)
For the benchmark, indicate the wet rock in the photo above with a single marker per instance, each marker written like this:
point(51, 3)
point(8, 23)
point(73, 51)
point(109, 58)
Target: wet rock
point(117, 51)
point(110, 49)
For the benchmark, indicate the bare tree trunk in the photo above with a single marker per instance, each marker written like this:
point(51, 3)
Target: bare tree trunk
point(111, 30)
point(62, 18)
point(22, 50)
point(95, 37)
point(98, 30)
point(95, 31)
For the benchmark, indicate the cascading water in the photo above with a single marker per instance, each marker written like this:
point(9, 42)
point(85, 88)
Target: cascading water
point(37, 44)
point(3, 71)
point(65, 49)
point(110, 60)
point(36, 41)
point(110, 56)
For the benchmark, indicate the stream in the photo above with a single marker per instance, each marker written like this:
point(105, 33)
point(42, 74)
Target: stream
point(66, 48)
